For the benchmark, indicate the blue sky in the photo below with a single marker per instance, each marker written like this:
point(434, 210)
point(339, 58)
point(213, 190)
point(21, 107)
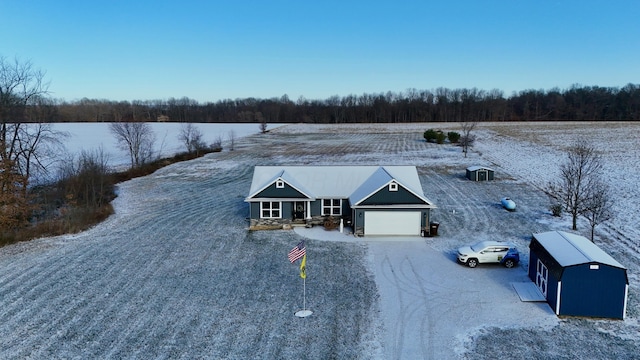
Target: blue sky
point(212, 50)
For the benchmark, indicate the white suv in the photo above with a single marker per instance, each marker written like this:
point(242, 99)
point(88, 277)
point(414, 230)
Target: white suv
point(489, 252)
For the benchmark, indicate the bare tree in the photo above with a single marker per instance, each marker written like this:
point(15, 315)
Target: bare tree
point(191, 137)
point(86, 179)
point(136, 138)
point(467, 138)
point(578, 175)
point(232, 139)
point(217, 144)
point(26, 144)
point(263, 124)
point(20, 87)
point(598, 207)
point(38, 145)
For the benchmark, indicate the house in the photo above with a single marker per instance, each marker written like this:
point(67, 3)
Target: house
point(576, 277)
point(374, 200)
point(479, 173)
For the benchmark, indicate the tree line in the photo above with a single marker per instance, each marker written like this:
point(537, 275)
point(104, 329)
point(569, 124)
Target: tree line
point(27, 137)
point(578, 103)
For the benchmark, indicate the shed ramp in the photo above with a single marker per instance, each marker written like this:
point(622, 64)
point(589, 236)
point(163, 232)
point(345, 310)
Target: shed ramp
point(528, 292)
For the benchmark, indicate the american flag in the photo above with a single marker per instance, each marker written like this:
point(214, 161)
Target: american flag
point(297, 252)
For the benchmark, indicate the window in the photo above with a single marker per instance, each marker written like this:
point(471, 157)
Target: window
point(270, 209)
point(332, 207)
point(279, 184)
point(393, 186)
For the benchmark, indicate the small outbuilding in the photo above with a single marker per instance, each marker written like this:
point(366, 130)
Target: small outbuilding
point(576, 277)
point(479, 173)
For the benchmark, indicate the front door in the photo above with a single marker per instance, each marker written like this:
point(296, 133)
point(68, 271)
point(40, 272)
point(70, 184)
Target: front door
point(299, 208)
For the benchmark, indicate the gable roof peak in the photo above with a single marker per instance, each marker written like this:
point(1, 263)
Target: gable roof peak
point(380, 178)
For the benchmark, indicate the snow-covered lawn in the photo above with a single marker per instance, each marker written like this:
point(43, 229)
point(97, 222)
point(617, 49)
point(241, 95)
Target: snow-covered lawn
point(175, 274)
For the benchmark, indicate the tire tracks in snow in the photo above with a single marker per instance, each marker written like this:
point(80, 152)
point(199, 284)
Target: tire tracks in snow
point(419, 302)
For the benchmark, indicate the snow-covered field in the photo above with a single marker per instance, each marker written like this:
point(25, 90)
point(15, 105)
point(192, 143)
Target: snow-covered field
point(175, 273)
point(93, 136)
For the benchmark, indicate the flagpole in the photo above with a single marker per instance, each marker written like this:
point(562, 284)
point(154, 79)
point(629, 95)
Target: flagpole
point(304, 312)
point(303, 274)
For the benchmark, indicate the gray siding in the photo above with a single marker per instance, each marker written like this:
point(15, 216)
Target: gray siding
point(316, 208)
point(426, 218)
point(358, 221)
point(287, 210)
point(254, 210)
point(287, 192)
point(346, 209)
point(386, 197)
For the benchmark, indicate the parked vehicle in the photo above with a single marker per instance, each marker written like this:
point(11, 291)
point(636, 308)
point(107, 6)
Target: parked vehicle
point(489, 252)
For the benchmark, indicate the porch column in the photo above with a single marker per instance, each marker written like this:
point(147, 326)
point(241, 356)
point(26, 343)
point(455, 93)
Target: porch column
point(308, 210)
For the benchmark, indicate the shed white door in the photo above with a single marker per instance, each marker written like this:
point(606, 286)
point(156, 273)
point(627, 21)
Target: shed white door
point(392, 223)
point(542, 277)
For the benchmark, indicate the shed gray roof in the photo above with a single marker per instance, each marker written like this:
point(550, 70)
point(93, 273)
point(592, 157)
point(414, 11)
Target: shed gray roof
point(353, 182)
point(570, 249)
point(476, 167)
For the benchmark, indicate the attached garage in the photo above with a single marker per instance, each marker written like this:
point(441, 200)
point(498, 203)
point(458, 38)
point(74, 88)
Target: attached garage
point(384, 206)
point(392, 223)
point(480, 173)
point(576, 277)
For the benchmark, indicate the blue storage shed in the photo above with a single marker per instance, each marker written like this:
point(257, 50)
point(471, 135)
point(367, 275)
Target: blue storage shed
point(576, 277)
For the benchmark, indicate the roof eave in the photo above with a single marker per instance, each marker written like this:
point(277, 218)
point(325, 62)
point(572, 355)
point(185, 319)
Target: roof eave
point(278, 199)
point(396, 206)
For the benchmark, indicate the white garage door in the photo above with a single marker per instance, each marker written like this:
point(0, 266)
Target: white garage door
point(392, 223)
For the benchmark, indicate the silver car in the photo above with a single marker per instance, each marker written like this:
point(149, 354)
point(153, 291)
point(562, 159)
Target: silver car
point(489, 252)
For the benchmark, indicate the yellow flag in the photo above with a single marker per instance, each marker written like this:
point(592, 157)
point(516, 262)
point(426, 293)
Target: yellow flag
point(303, 267)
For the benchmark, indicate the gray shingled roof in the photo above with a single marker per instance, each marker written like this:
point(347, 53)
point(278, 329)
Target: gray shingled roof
point(476, 167)
point(354, 182)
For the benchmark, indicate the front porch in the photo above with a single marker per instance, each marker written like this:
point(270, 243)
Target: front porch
point(328, 222)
